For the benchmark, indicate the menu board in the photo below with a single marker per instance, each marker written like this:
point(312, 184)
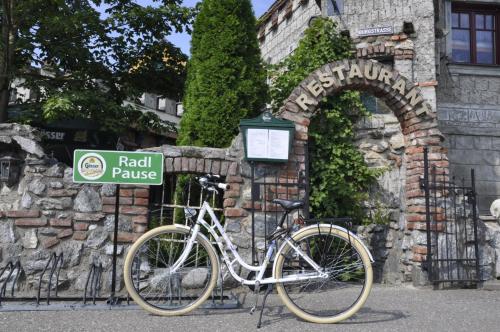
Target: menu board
point(268, 144)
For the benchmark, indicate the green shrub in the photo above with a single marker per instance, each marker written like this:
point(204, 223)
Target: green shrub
point(226, 80)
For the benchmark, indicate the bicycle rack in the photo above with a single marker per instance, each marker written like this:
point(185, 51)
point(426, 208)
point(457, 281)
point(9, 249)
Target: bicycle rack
point(220, 301)
point(94, 278)
point(57, 261)
point(11, 267)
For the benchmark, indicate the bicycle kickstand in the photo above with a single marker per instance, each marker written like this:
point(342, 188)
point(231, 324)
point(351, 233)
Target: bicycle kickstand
point(268, 291)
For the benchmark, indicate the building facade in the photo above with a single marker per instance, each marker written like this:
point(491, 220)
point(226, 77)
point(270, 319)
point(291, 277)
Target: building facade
point(449, 50)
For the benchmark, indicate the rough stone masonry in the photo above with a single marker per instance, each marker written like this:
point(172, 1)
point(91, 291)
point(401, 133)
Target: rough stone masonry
point(46, 213)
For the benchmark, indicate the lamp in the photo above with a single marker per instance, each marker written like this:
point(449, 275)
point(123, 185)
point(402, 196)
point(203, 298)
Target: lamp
point(408, 28)
point(9, 170)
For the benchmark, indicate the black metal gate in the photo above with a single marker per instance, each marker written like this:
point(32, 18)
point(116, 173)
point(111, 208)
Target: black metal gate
point(269, 181)
point(451, 218)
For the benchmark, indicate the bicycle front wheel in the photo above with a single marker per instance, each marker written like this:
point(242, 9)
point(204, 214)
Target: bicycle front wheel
point(346, 262)
point(152, 284)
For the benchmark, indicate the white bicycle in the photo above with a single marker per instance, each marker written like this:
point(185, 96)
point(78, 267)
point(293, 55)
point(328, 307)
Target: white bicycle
point(322, 272)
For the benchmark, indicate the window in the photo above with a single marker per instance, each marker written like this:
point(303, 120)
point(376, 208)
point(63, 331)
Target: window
point(475, 34)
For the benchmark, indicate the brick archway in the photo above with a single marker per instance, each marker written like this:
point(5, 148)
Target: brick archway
point(417, 119)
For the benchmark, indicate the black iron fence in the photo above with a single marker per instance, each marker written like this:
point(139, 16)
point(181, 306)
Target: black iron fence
point(270, 181)
point(451, 220)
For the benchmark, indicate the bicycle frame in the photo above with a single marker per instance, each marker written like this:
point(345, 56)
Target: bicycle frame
point(223, 238)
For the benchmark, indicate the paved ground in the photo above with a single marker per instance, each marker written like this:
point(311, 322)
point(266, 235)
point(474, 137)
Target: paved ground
point(387, 309)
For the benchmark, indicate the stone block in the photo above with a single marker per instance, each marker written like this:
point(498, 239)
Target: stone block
point(50, 242)
point(139, 219)
point(126, 192)
point(139, 228)
point(96, 238)
point(37, 187)
point(87, 200)
point(133, 210)
point(64, 233)
point(141, 201)
point(125, 237)
point(233, 226)
point(142, 193)
point(235, 212)
point(30, 239)
point(79, 235)
point(61, 192)
point(229, 202)
point(108, 189)
point(169, 165)
point(56, 171)
point(110, 248)
point(66, 222)
point(108, 208)
point(23, 214)
point(93, 217)
point(81, 226)
point(31, 222)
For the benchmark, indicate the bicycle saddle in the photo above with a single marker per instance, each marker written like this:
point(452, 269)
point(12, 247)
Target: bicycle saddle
point(289, 205)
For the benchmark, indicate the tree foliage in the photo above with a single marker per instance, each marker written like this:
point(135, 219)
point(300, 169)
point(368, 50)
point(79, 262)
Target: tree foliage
point(226, 81)
point(94, 53)
point(339, 177)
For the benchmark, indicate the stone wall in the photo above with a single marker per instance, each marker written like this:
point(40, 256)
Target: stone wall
point(45, 213)
point(469, 115)
point(279, 39)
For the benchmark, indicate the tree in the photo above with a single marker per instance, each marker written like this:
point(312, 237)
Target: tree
point(226, 81)
point(95, 53)
point(339, 177)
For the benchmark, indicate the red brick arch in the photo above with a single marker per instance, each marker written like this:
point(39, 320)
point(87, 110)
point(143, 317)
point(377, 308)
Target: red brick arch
point(417, 118)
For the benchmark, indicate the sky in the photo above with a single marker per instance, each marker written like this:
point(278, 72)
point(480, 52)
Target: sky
point(182, 40)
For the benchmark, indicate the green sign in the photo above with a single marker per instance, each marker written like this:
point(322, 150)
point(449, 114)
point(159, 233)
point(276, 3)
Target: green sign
point(120, 167)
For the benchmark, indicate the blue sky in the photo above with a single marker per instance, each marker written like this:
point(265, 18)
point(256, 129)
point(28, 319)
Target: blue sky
point(182, 40)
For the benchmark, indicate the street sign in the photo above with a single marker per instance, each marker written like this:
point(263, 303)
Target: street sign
point(119, 167)
point(377, 31)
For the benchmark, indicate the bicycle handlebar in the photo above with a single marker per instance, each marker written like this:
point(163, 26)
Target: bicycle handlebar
point(210, 180)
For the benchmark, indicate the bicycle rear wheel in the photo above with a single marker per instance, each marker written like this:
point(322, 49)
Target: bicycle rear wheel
point(154, 287)
point(343, 258)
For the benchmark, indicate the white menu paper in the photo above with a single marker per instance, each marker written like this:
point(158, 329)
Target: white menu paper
point(257, 140)
point(268, 144)
point(278, 144)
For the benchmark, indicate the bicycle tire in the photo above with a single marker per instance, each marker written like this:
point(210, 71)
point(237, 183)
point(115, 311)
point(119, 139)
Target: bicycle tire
point(304, 307)
point(163, 309)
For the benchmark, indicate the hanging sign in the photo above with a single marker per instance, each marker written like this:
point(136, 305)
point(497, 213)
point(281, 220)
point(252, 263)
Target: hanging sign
point(119, 167)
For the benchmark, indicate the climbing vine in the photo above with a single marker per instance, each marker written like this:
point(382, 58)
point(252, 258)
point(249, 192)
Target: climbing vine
point(339, 176)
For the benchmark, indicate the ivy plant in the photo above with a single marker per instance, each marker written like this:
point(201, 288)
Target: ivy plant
point(339, 176)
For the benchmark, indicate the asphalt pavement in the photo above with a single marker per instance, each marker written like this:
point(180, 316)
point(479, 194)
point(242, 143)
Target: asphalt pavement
point(387, 309)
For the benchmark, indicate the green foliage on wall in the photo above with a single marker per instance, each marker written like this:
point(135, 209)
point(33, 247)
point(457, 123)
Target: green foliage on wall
point(226, 80)
point(339, 176)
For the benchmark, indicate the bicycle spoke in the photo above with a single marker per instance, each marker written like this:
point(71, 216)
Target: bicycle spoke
point(162, 287)
point(343, 266)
